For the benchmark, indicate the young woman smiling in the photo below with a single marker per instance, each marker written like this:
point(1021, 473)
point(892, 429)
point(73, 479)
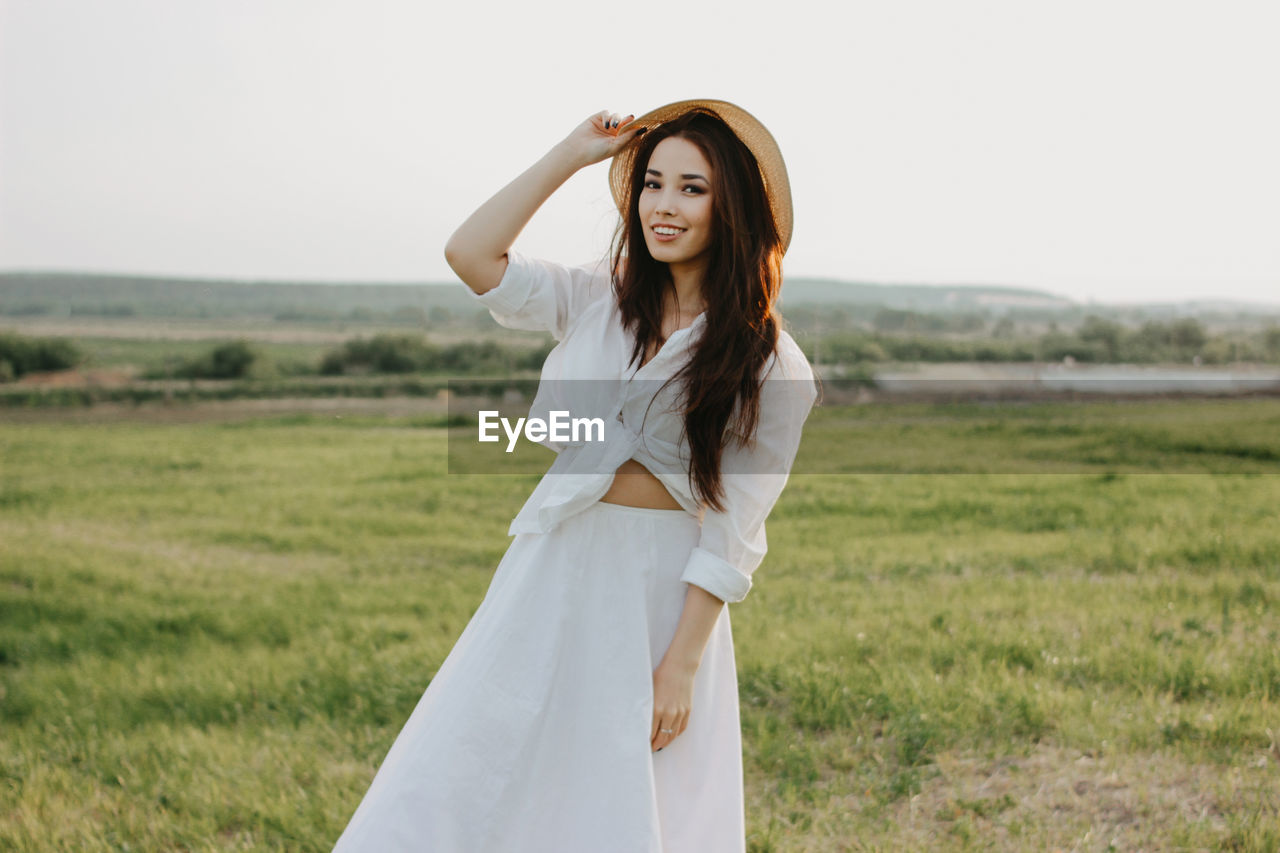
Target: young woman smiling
point(591, 702)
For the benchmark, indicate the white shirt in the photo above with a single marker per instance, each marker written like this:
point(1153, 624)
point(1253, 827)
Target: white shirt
point(587, 374)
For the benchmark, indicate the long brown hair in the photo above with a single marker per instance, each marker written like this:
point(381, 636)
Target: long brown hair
point(741, 287)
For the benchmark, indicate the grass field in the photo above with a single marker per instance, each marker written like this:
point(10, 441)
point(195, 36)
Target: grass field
point(211, 633)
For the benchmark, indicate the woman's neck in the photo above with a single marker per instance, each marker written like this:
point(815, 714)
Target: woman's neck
point(687, 279)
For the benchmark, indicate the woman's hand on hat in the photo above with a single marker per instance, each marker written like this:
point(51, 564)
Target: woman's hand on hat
point(599, 137)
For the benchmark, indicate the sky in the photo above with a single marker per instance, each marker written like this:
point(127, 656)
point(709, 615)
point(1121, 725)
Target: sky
point(1112, 152)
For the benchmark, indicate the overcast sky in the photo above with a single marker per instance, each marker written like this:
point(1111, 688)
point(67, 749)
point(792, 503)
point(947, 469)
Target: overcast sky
point(1115, 151)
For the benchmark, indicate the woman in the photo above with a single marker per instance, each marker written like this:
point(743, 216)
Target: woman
point(591, 702)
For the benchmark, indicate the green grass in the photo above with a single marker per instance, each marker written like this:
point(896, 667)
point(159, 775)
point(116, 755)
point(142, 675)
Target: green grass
point(210, 635)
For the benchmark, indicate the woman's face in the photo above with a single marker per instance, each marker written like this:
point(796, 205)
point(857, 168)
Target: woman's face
point(675, 204)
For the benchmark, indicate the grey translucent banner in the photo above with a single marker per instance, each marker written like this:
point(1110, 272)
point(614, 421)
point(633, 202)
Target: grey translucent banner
point(858, 427)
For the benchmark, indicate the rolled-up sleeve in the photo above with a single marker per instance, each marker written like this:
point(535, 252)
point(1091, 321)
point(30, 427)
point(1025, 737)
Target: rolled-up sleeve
point(543, 296)
point(733, 542)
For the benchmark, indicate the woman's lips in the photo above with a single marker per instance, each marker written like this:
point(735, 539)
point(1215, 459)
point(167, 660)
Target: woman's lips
point(666, 238)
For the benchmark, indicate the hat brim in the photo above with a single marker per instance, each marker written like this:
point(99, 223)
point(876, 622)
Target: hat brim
point(747, 127)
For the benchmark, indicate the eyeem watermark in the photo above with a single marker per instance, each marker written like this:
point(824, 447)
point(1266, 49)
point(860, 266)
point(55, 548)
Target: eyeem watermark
point(536, 429)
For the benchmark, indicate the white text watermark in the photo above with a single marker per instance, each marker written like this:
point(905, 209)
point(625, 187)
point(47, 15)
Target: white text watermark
point(536, 429)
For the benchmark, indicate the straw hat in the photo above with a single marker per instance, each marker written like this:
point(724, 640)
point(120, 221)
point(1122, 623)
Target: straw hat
point(747, 127)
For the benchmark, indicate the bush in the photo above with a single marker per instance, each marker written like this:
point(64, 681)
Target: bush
point(294, 313)
point(1055, 346)
point(25, 355)
point(1177, 341)
point(927, 349)
point(852, 348)
point(409, 314)
point(1271, 342)
point(1105, 333)
point(380, 354)
point(226, 361)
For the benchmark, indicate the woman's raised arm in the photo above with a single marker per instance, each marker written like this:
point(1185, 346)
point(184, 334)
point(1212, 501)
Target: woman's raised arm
point(477, 251)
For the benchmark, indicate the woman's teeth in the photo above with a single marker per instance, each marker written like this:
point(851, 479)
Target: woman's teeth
point(666, 231)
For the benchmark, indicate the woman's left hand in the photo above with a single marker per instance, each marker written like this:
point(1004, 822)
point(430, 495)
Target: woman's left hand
point(672, 702)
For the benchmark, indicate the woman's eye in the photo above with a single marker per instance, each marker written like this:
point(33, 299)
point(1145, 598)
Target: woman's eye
point(696, 190)
point(652, 185)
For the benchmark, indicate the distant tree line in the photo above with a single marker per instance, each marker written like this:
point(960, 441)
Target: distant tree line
point(811, 306)
point(409, 354)
point(405, 315)
point(101, 311)
point(900, 320)
point(384, 353)
point(1097, 340)
point(74, 294)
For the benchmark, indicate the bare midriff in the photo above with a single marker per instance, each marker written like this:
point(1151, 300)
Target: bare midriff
point(634, 485)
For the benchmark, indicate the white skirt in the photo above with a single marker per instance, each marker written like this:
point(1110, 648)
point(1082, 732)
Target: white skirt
point(534, 733)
